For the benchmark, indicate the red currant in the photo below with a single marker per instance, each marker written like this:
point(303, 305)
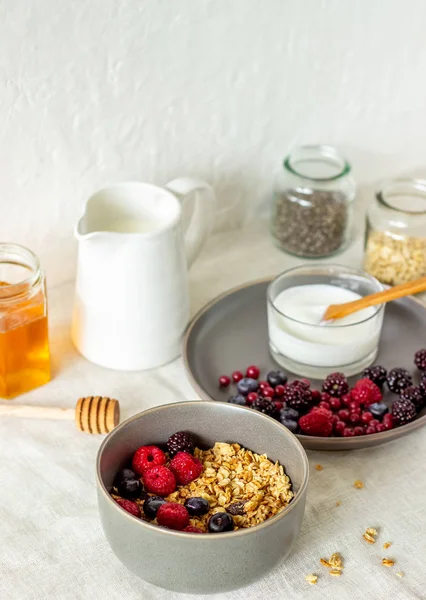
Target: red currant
point(380, 427)
point(224, 381)
point(354, 418)
point(335, 403)
point(344, 414)
point(268, 392)
point(354, 407)
point(370, 430)
point(263, 384)
point(374, 423)
point(279, 390)
point(278, 404)
point(325, 397)
point(253, 372)
point(335, 418)
point(251, 397)
point(237, 376)
point(366, 417)
point(316, 396)
point(358, 430)
point(346, 399)
point(324, 404)
point(339, 427)
point(388, 421)
point(348, 432)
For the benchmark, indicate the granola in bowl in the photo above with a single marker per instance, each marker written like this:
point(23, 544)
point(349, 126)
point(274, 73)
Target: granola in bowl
point(224, 488)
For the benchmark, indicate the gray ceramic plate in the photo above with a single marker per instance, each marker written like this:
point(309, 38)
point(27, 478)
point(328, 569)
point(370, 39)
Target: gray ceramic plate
point(231, 333)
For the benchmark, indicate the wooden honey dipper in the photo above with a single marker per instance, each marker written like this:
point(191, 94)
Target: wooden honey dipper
point(93, 414)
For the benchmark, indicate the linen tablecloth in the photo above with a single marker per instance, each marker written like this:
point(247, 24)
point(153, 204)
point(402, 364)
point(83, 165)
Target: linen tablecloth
point(51, 542)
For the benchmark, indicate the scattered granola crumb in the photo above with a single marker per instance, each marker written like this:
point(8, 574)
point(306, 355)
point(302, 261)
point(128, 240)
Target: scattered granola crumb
point(336, 572)
point(388, 562)
point(358, 484)
point(312, 579)
point(336, 560)
point(387, 545)
point(400, 574)
point(325, 563)
point(338, 503)
point(370, 535)
point(319, 467)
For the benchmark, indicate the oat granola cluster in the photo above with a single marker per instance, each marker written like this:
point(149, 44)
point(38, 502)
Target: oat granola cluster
point(248, 486)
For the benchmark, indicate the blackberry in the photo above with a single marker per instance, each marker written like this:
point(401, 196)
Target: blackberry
point(422, 386)
point(298, 396)
point(265, 406)
point(335, 384)
point(180, 442)
point(420, 359)
point(376, 374)
point(403, 411)
point(398, 379)
point(415, 395)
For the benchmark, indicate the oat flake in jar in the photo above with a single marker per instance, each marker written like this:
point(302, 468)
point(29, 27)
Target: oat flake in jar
point(24, 347)
point(395, 241)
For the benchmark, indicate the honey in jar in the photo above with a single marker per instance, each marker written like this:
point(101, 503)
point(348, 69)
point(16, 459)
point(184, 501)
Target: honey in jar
point(24, 345)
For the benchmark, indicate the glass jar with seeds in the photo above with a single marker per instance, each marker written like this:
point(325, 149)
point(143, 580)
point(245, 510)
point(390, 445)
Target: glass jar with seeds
point(395, 240)
point(312, 211)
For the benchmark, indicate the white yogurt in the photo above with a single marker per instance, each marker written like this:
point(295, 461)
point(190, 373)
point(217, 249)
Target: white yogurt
point(296, 333)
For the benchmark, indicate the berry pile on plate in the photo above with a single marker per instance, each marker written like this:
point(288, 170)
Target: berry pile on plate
point(337, 409)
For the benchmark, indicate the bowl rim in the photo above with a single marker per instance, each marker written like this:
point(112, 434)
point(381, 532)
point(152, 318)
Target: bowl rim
point(192, 536)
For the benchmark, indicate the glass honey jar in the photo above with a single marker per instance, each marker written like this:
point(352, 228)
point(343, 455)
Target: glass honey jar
point(24, 345)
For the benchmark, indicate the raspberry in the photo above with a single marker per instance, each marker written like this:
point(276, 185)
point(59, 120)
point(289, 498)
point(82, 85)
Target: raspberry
point(415, 395)
point(366, 392)
point(191, 529)
point(147, 457)
point(318, 422)
point(160, 480)
point(420, 359)
point(335, 384)
point(180, 442)
point(403, 411)
point(185, 468)
point(173, 516)
point(129, 506)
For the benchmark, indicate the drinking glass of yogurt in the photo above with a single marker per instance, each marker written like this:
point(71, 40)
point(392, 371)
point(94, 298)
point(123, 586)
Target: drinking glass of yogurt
point(298, 339)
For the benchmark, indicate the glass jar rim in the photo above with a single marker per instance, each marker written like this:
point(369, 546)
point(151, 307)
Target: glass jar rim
point(24, 257)
point(325, 152)
point(417, 186)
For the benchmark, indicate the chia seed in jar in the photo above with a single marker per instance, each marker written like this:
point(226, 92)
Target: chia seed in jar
point(313, 204)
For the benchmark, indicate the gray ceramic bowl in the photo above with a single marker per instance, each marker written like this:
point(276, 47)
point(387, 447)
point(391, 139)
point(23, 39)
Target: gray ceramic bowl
point(208, 563)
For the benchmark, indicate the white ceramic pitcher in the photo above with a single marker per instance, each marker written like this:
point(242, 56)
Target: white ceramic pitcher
point(135, 243)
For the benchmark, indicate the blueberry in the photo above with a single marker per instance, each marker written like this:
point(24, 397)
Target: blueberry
point(289, 413)
point(247, 385)
point(291, 425)
point(130, 488)
point(123, 475)
point(220, 522)
point(240, 400)
point(197, 506)
point(378, 409)
point(276, 378)
point(151, 506)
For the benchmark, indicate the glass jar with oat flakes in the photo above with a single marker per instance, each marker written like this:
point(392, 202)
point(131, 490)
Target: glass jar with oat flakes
point(395, 240)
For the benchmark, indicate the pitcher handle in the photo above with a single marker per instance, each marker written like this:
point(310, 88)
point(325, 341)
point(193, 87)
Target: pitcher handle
point(198, 216)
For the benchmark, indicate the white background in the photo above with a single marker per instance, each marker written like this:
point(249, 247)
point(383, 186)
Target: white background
point(102, 90)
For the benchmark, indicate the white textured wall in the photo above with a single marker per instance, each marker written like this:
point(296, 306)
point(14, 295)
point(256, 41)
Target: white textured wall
point(98, 90)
